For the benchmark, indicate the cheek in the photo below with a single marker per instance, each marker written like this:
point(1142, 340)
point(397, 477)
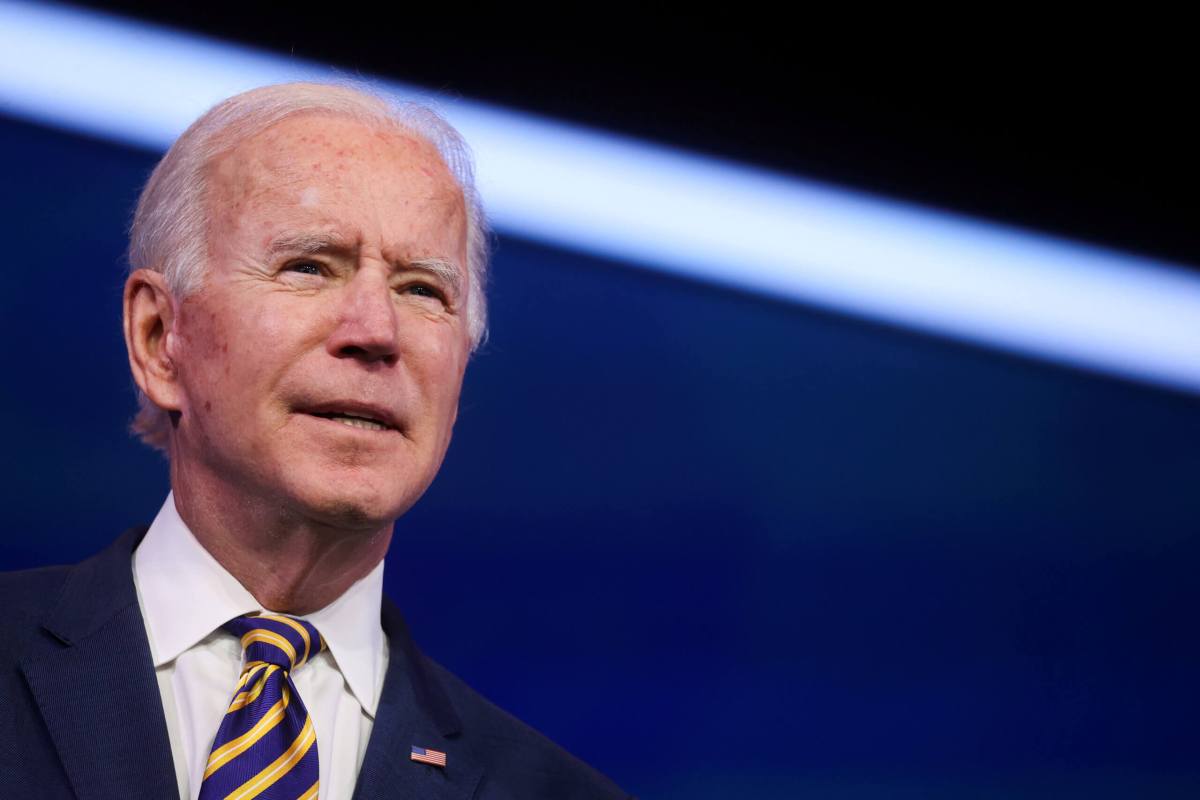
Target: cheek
point(227, 355)
point(266, 329)
point(203, 353)
point(441, 364)
point(434, 350)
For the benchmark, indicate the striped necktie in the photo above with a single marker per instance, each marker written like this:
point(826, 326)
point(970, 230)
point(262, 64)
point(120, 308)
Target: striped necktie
point(266, 746)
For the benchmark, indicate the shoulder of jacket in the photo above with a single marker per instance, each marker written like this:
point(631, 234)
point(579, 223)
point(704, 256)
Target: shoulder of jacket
point(27, 597)
point(35, 587)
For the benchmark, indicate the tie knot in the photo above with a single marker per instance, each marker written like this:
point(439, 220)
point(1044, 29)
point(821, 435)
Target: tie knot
point(276, 639)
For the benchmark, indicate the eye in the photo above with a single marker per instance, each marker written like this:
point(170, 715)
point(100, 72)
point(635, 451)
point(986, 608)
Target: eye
point(304, 267)
point(422, 290)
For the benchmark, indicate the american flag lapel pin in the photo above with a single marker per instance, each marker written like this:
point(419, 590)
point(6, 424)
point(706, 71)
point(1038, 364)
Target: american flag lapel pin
point(427, 756)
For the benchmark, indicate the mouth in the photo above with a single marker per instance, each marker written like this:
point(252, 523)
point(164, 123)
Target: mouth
point(355, 415)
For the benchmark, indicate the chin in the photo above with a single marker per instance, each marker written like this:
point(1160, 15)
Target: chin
point(357, 507)
point(348, 514)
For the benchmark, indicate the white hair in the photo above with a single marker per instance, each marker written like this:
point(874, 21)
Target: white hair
point(170, 227)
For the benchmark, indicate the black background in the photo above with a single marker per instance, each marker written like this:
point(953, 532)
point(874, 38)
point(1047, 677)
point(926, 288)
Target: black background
point(1087, 136)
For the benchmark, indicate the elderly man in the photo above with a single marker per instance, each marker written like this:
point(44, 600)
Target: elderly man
point(306, 288)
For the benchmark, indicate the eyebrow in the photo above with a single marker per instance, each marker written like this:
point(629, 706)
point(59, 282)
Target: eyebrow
point(443, 270)
point(308, 243)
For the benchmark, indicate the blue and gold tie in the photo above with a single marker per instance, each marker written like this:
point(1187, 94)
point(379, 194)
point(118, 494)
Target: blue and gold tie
point(266, 746)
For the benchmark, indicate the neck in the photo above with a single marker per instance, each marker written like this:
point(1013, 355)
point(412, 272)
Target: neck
point(290, 562)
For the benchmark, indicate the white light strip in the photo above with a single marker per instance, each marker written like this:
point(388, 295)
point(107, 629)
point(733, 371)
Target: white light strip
point(696, 217)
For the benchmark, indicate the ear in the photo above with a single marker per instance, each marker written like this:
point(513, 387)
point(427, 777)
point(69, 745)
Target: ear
point(149, 336)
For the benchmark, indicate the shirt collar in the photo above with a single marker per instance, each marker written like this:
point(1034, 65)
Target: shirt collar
point(186, 594)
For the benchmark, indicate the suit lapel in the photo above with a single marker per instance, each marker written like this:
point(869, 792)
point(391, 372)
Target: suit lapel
point(93, 679)
point(414, 710)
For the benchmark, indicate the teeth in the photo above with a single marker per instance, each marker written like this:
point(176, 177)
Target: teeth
point(358, 422)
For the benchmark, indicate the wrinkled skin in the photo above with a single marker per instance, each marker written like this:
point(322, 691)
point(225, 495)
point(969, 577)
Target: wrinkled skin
point(337, 284)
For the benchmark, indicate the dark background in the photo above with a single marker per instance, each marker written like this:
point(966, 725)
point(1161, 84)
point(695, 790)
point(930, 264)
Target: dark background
point(719, 545)
point(1082, 131)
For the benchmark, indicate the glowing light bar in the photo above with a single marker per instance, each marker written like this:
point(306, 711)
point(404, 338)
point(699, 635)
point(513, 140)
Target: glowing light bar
point(660, 208)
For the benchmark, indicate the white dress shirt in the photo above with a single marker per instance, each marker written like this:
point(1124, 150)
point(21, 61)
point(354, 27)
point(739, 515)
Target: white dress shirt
point(185, 597)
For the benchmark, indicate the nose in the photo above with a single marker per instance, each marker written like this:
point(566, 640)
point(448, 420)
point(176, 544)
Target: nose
point(366, 326)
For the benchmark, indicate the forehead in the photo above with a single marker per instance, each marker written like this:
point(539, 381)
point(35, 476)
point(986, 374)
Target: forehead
point(316, 171)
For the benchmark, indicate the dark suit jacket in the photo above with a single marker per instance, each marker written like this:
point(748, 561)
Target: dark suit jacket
point(81, 714)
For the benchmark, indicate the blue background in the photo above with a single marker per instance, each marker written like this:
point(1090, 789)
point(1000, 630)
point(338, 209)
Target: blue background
point(713, 544)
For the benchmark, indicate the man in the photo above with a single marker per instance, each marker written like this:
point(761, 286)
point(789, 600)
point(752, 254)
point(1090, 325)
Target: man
point(306, 286)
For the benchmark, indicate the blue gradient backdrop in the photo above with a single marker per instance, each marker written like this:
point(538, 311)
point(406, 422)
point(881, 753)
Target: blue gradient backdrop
point(717, 546)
